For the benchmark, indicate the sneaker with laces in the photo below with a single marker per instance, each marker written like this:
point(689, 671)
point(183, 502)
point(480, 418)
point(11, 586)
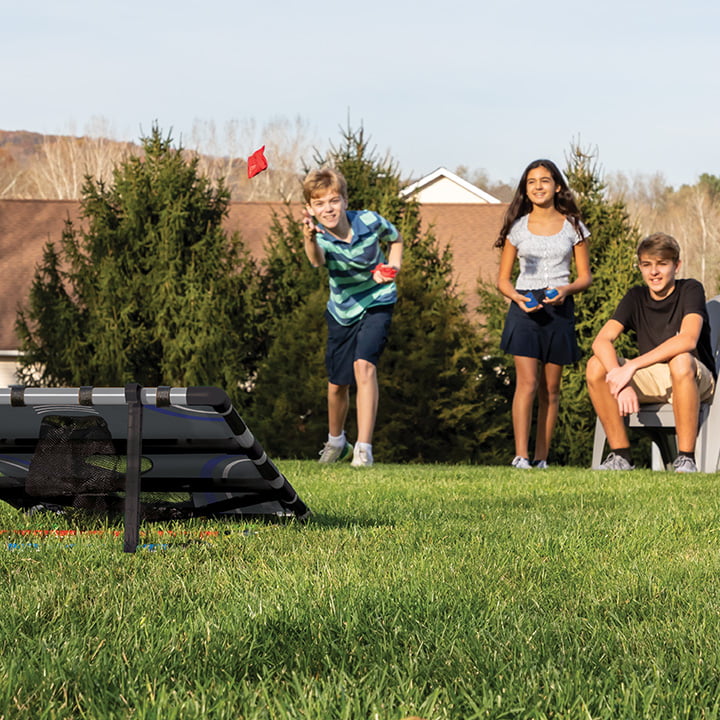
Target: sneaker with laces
point(540, 464)
point(615, 462)
point(333, 453)
point(684, 464)
point(521, 463)
point(362, 457)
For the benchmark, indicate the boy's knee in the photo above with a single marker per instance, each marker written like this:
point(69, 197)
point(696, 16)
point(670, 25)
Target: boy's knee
point(595, 371)
point(365, 371)
point(682, 366)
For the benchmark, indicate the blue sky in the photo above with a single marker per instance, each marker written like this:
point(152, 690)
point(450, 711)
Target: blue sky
point(486, 85)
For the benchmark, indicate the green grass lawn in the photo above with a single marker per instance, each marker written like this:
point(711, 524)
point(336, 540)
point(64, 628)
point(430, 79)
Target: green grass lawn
point(437, 591)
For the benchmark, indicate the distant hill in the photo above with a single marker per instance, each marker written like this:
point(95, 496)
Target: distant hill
point(20, 144)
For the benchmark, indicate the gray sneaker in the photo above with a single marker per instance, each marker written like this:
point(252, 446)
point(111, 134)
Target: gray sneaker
point(521, 463)
point(333, 453)
point(684, 464)
point(615, 462)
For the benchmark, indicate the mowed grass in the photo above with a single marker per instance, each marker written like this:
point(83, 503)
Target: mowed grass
point(436, 591)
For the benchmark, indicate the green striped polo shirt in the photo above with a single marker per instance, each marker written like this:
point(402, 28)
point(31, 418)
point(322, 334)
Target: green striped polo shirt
point(350, 266)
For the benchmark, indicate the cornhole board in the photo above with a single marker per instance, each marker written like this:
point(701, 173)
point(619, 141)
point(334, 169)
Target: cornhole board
point(195, 440)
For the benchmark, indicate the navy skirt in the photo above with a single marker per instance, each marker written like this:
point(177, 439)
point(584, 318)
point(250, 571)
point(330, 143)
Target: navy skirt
point(547, 334)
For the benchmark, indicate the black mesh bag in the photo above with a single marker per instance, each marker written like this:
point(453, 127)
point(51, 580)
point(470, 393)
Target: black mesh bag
point(65, 462)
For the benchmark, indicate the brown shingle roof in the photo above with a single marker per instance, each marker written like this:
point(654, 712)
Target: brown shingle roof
point(470, 231)
point(26, 225)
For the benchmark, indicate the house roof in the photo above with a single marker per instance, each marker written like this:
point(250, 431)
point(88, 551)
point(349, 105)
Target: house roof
point(444, 186)
point(27, 225)
point(470, 231)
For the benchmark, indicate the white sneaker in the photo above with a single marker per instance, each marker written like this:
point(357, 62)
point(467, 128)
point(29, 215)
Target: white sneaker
point(540, 464)
point(333, 453)
point(521, 463)
point(362, 457)
point(615, 462)
point(684, 464)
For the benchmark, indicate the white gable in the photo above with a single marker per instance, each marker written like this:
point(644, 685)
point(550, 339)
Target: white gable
point(443, 186)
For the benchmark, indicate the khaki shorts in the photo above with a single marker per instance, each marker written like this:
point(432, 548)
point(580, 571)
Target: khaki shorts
point(653, 384)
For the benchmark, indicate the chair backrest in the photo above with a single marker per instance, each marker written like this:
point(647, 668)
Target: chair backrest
point(713, 309)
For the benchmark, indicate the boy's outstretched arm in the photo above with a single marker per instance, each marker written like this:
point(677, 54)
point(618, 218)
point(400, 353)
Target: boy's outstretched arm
point(394, 261)
point(314, 252)
point(395, 254)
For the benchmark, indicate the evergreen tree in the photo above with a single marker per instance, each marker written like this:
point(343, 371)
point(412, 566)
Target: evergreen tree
point(287, 279)
point(430, 371)
point(439, 391)
point(612, 247)
point(492, 309)
point(149, 289)
point(373, 183)
point(287, 407)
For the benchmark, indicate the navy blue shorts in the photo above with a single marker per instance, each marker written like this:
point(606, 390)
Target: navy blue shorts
point(363, 340)
point(547, 334)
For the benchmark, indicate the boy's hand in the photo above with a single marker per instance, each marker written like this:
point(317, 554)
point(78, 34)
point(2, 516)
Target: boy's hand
point(619, 377)
point(627, 401)
point(384, 273)
point(308, 223)
point(314, 252)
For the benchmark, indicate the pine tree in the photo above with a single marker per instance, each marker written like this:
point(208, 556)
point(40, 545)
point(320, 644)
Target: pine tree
point(440, 393)
point(287, 406)
point(612, 261)
point(287, 279)
point(149, 288)
point(373, 183)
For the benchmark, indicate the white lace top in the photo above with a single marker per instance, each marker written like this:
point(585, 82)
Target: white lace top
point(544, 259)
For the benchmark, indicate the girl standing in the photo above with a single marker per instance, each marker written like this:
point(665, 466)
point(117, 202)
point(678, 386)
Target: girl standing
point(543, 231)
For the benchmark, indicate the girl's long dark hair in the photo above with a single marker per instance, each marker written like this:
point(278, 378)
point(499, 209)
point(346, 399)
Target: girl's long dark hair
point(521, 205)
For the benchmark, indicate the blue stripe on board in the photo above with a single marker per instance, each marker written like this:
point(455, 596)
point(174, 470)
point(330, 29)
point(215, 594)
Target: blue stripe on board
point(207, 469)
point(12, 458)
point(186, 415)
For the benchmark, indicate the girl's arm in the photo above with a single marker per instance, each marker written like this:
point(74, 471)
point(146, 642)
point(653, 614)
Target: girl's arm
point(504, 283)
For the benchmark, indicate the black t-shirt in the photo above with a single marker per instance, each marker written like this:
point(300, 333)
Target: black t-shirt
point(655, 321)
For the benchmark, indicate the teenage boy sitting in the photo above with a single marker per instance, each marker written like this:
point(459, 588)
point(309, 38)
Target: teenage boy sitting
point(675, 361)
point(362, 297)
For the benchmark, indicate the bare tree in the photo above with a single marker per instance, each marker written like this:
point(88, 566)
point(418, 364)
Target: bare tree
point(219, 153)
point(224, 155)
point(691, 214)
point(645, 196)
point(59, 169)
point(479, 177)
point(695, 222)
point(9, 174)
